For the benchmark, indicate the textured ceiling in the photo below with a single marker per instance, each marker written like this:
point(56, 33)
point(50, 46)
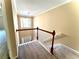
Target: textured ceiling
point(35, 7)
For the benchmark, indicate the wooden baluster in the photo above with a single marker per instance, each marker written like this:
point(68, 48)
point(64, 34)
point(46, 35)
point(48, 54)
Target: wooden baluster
point(52, 47)
point(37, 33)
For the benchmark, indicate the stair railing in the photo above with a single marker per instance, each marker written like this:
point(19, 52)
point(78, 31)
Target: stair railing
point(52, 33)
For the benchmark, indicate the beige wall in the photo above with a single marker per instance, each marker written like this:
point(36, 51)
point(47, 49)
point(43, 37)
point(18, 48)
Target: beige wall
point(9, 27)
point(63, 19)
point(15, 23)
point(1, 22)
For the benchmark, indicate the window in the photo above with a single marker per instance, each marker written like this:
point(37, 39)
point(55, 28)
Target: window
point(26, 22)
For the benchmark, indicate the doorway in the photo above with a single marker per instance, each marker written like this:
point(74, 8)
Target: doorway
point(3, 38)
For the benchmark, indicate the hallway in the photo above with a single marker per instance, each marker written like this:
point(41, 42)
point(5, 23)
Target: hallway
point(36, 50)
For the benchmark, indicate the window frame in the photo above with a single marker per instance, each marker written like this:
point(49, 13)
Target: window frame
point(24, 16)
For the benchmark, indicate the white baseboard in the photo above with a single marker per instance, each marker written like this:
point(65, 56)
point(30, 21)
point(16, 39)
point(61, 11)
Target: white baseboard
point(70, 49)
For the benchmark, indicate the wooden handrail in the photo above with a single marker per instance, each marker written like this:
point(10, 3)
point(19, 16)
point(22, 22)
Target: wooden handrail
point(37, 32)
point(34, 29)
point(53, 35)
point(26, 29)
point(45, 31)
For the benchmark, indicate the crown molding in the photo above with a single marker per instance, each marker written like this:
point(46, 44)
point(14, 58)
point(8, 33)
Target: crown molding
point(44, 11)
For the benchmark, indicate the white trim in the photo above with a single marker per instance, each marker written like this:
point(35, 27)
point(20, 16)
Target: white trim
point(44, 47)
point(70, 49)
point(54, 7)
point(47, 39)
point(57, 45)
point(27, 43)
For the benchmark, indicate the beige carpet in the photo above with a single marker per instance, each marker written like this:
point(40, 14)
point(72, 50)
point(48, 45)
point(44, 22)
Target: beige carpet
point(33, 50)
point(60, 52)
point(64, 53)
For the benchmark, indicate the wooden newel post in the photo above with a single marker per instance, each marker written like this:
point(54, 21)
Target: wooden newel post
point(37, 33)
point(52, 47)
